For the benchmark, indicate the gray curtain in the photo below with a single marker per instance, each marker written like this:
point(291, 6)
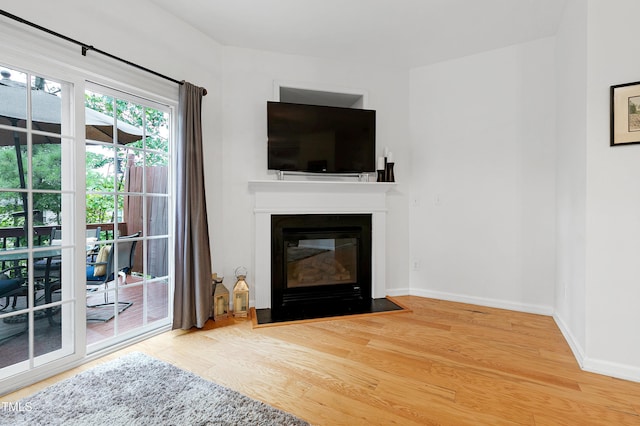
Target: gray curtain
point(192, 301)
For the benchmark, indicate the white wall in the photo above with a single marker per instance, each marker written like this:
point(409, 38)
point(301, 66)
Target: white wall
point(248, 83)
point(483, 183)
point(612, 198)
point(571, 65)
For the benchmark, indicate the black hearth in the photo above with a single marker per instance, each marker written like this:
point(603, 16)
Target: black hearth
point(320, 264)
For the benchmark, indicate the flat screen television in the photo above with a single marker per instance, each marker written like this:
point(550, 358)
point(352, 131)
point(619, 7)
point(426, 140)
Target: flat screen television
point(320, 139)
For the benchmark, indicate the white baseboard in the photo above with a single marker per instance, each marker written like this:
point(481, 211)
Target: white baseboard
point(576, 347)
point(620, 371)
point(593, 365)
point(484, 301)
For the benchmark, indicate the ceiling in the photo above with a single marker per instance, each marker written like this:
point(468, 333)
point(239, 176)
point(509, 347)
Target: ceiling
point(403, 33)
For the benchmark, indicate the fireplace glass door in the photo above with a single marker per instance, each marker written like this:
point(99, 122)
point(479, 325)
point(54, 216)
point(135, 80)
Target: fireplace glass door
point(313, 261)
point(319, 261)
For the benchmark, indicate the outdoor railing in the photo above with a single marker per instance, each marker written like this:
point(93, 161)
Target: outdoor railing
point(15, 236)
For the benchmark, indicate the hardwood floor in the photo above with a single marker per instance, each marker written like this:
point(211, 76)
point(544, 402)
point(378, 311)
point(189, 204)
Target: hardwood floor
point(444, 363)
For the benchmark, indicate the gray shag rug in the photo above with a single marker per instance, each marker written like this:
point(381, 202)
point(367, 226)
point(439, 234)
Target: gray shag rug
point(137, 389)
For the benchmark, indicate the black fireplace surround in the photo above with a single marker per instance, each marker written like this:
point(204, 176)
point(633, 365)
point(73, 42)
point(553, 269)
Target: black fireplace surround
point(320, 264)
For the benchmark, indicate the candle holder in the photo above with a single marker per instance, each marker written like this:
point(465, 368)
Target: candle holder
point(220, 298)
point(381, 176)
point(389, 176)
point(241, 293)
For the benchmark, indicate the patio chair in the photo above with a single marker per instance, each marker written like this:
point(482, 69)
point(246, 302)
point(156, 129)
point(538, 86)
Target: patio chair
point(106, 268)
point(55, 239)
point(40, 266)
point(12, 285)
point(92, 237)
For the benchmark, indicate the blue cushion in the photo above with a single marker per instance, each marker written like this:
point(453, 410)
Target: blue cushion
point(9, 285)
point(90, 276)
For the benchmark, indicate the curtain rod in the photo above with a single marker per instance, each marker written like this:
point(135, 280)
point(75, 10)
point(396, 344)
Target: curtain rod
point(86, 47)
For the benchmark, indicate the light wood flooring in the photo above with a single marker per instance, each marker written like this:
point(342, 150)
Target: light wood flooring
point(444, 363)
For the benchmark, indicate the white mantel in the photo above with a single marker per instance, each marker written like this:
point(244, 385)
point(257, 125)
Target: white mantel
point(317, 197)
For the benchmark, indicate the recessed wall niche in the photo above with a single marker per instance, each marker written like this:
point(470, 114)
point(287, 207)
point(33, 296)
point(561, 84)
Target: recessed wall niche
point(326, 96)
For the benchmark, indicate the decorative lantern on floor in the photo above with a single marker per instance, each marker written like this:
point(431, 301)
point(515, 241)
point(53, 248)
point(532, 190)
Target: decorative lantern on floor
point(240, 293)
point(220, 298)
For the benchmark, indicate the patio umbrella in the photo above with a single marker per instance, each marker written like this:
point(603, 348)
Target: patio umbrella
point(46, 116)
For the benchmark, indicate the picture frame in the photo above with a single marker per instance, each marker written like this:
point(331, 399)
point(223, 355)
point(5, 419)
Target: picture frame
point(625, 114)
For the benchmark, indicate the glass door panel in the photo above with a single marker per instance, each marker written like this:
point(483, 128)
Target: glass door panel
point(127, 191)
point(36, 192)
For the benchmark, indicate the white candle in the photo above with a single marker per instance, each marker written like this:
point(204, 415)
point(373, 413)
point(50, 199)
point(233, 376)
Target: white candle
point(386, 151)
point(380, 163)
point(390, 157)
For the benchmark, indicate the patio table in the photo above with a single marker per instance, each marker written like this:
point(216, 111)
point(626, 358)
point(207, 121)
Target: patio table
point(17, 254)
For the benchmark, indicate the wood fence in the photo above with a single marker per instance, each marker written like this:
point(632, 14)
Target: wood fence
point(156, 179)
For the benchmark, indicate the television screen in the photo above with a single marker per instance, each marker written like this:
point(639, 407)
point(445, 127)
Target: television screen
point(320, 139)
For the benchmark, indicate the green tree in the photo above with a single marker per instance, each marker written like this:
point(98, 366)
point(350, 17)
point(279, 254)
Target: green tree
point(46, 161)
point(46, 175)
point(100, 208)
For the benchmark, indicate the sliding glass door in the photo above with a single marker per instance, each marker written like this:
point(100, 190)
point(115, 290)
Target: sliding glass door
point(128, 199)
point(37, 198)
point(85, 222)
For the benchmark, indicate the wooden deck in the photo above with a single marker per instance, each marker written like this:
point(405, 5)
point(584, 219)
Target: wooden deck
point(443, 363)
point(47, 336)
point(132, 317)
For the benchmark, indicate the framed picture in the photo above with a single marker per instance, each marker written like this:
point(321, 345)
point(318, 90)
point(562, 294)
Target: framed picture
point(625, 114)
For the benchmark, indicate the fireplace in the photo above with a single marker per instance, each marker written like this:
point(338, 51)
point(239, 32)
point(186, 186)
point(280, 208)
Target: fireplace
point(320, 263)
point(314, 197)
